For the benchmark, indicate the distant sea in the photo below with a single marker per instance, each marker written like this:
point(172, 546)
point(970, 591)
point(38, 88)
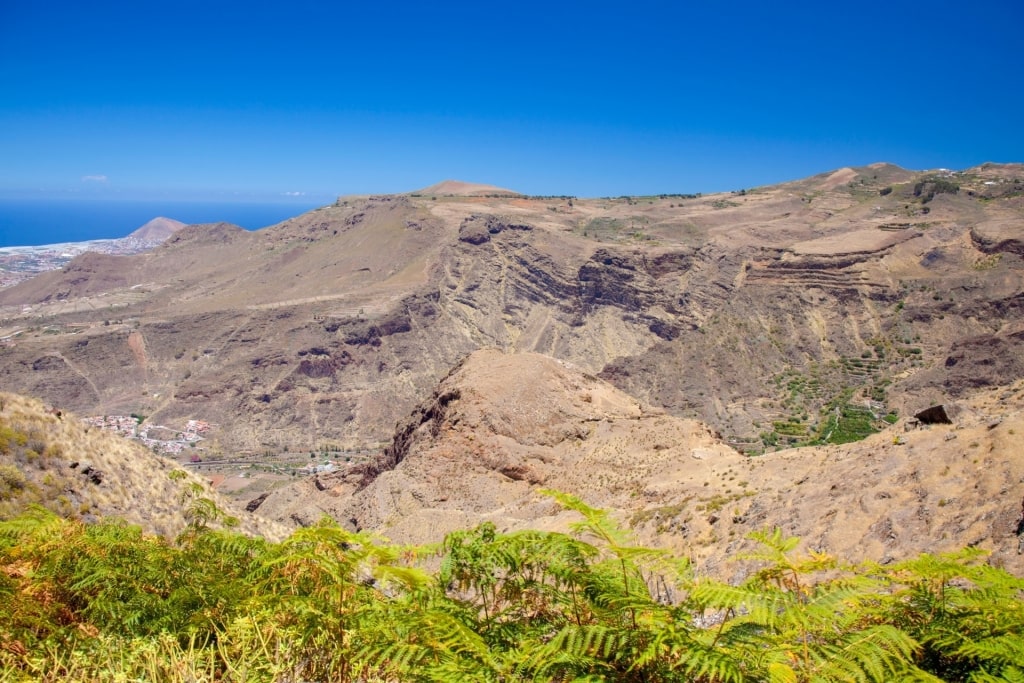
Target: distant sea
point(32, 222)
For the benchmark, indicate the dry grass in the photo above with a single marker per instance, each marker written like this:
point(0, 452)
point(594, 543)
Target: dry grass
point(51, 459)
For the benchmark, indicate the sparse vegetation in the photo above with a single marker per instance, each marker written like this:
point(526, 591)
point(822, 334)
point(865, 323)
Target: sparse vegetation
point(927, 188)
point(57, 464)
point(987, 262)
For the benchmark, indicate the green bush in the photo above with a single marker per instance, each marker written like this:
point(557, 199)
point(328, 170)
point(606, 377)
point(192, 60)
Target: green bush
point(107, 602)
point(12, 480)
point(927, 188)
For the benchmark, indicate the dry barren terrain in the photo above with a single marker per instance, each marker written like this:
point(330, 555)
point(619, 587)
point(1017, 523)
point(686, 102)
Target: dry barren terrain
point(504, 426)
point(666, 337)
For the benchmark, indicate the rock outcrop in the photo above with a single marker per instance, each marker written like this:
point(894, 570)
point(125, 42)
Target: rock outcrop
point(502, 426)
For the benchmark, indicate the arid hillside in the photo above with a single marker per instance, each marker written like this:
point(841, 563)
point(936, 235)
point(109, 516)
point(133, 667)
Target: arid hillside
point(808, 311)
point(50, 458)
point(503, 426)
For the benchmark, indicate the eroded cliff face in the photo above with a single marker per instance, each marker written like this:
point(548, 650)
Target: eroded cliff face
point(751, 311)
point(503, 425)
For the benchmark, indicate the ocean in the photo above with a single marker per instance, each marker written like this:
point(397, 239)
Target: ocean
point(33, 222)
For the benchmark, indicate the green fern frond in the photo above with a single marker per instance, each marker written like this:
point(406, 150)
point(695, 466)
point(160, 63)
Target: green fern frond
point(596, 522)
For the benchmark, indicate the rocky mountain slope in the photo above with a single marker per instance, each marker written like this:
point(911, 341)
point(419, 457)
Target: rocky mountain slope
point(499, 427)
point(759, 312)
point(502, 426)
point(583, 345)
point(50, 458)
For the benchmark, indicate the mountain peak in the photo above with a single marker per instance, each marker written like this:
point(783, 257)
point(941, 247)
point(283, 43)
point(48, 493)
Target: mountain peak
point(157, 230)
point(463, 189)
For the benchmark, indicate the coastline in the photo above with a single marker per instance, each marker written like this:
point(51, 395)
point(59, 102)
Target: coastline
point(46, 222)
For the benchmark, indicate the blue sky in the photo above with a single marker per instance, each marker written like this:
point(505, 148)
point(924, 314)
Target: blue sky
point(232, 100)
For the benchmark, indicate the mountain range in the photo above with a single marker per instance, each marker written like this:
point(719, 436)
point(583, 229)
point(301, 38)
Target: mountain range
point(471, 344)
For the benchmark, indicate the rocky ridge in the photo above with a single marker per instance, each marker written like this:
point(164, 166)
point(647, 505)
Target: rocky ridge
point(335, 323)
point(503, 426)
point(816, 311)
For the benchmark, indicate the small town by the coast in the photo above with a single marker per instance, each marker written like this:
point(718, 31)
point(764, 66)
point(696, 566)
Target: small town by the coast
point(18, 264)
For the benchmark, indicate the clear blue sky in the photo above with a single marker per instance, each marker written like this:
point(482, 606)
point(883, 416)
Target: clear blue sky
point(243, 99)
